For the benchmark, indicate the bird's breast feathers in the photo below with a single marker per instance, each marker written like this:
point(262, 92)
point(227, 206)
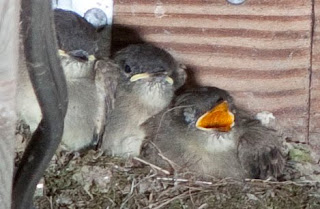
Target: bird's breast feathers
point(155, 96)
point(220, 142)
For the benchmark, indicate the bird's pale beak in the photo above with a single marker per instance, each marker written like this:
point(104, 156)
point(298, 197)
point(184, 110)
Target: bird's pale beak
point(169, 80)
point(140, 76)
point(62, 53)
point(219, 118)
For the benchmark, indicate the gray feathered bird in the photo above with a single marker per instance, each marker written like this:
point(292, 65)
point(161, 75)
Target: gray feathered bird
point(205, 132)
point(90, 83)
point(147, 81)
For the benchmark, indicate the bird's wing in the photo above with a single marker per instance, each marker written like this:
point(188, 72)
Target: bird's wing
point(106, 81)
point(106, 78)
point(259, 152)
point(152, 128)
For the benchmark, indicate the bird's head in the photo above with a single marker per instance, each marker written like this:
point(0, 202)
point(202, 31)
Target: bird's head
point(207, 109)
point(150, 72)
point(147, 65)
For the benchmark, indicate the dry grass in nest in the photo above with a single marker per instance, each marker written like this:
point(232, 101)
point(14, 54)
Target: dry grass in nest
point(91, 180)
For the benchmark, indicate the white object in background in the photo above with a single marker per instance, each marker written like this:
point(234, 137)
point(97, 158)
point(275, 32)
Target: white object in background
point(236, 2)
point(62, 4)
point(265, 117)
point(96, 17)
point(82, 6)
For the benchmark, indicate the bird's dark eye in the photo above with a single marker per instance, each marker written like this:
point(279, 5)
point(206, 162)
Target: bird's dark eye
point(127, 69)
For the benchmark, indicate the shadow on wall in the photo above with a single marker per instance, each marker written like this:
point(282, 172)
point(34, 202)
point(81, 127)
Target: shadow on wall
point(123, 36)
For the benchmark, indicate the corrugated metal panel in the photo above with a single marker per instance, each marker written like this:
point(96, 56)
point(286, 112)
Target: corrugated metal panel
point(260, 51)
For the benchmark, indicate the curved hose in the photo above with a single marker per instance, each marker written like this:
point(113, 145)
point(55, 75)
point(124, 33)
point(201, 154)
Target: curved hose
point(50, 87)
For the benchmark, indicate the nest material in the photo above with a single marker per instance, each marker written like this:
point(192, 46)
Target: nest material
point(94, 181)
point(91, 180)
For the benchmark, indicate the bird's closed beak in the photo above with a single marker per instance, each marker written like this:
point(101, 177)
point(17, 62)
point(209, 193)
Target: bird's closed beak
point(140, 76)
point(219, 118)
point(63, 53)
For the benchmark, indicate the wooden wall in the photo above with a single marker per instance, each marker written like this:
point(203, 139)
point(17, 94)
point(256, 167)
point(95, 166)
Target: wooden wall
point(314, 134)
point(260, 50)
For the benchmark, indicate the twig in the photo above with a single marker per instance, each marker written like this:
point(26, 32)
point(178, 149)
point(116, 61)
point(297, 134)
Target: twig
point(172, 199)
point(203, 182)
point(183, 180)
point(303, 183)
point(129, 196)
point(172, 164)
point(172, 179)
point(203, 206)
point(51, 202)
point(191, 198)
point(152, 165)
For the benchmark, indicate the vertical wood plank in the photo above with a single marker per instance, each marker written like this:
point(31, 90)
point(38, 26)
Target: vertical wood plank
point(9, 19)
point(260, 51)
point(314, 135)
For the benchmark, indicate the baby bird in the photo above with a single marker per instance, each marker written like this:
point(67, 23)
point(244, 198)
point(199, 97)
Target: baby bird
point(90, 83)
point(147, 81)
point(205, 132)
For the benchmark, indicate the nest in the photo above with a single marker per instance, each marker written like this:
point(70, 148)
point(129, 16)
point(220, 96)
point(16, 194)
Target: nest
point(91, 180)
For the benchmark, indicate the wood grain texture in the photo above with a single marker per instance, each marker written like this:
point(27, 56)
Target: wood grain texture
point(260, 51)
point(314, 128)
point(9, 15)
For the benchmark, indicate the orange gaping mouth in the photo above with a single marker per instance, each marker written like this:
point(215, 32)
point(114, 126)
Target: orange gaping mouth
point(219, 118)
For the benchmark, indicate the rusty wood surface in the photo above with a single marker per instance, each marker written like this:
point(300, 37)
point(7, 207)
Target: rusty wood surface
point(260, 51)
point(314, 128)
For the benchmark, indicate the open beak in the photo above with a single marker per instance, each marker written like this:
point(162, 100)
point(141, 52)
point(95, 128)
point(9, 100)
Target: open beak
point(219, 118)
point(140, 76)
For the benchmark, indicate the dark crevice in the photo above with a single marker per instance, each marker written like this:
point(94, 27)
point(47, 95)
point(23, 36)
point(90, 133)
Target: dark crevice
point(310, 68)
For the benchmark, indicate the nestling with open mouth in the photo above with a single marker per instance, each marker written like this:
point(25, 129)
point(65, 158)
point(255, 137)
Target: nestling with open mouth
point(205, 132)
